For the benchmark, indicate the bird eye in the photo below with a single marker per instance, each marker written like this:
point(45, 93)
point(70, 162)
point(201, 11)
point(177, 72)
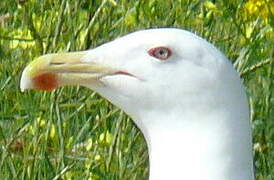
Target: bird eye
point(162, 53)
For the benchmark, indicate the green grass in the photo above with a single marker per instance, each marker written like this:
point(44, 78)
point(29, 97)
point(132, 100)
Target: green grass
point(72, 133)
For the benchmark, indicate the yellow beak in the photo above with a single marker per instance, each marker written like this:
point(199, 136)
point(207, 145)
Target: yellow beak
point(54, 70)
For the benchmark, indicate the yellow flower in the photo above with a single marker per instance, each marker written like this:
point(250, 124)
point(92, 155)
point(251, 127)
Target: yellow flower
point(251, 7)
point(106, 138)
point(52, 131)
point(261, 8)
point(89, 144)
point(41, 122)
point(97, 157)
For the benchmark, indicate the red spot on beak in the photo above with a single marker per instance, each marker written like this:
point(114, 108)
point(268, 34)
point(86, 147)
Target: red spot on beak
point(45, 81)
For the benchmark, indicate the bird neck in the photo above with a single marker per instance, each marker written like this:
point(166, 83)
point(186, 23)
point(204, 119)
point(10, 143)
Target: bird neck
point(185, 145)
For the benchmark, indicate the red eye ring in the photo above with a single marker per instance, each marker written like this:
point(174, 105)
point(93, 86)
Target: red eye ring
point(161, 52)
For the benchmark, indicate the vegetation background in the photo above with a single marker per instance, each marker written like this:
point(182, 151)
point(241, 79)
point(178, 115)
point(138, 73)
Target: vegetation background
point(72, 133)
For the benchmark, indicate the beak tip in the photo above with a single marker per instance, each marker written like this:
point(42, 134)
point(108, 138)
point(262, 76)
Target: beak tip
point(25, 82)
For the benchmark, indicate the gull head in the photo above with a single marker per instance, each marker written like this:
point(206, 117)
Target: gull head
point(139, 70)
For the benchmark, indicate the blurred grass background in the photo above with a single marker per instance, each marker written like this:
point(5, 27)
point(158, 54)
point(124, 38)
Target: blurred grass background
point(72, 133)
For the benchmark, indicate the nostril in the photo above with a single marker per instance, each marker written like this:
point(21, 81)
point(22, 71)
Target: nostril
point(56, 63)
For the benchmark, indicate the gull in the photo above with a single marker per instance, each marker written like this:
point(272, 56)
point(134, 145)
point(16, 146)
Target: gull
point(182, 93)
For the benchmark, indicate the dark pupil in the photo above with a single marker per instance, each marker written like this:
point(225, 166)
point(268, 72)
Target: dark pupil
point(162, 52)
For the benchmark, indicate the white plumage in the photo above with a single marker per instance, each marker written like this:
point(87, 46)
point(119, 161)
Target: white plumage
point(182, 93)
